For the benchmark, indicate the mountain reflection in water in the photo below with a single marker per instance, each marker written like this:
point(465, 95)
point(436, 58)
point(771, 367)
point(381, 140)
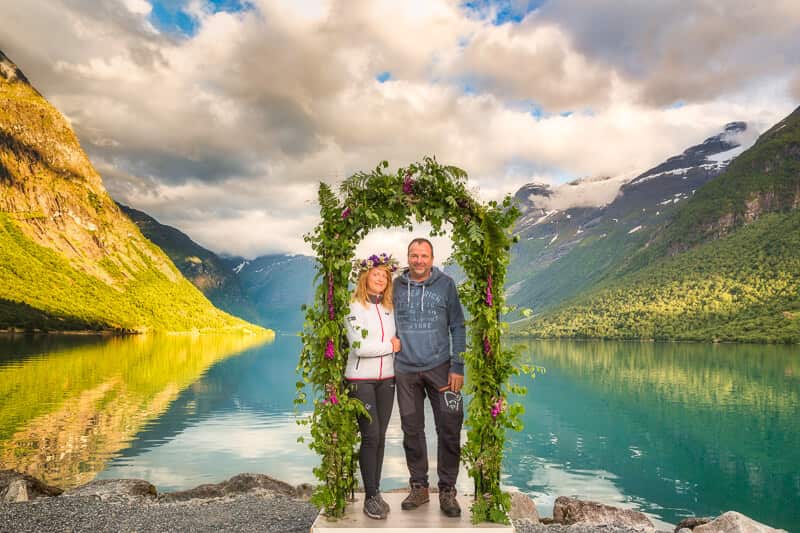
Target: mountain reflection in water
point(678, 429)
point(67, 405)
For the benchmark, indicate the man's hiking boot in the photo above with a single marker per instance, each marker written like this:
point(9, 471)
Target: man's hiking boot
point(383, 503)
point(448, 503)
point(374, 509)
point(419, 494)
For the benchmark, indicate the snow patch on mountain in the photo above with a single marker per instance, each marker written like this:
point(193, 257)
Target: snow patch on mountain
point(727, 156)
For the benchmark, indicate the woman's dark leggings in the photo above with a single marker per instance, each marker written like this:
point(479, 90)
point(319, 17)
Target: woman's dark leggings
point(378, 399)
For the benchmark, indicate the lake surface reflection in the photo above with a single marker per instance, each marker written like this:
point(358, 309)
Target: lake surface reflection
point(670, 429)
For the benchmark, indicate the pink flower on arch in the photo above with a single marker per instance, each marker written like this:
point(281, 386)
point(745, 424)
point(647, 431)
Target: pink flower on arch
point(330, 296)
point(330, 350)
point(498, 407)
point(331, 399)
point(489, 297)
point(408, 184)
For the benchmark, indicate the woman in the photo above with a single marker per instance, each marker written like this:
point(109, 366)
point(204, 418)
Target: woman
point(370, 368)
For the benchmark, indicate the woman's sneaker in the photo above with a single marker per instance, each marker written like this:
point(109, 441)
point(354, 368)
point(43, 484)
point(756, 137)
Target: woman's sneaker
point(385, 505)
point(374, 509)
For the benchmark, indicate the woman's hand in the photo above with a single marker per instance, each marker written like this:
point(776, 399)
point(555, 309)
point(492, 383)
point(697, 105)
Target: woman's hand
point(395, 344)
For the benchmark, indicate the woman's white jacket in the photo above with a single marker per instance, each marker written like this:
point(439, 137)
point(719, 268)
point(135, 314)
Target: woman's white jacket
point(371, 356)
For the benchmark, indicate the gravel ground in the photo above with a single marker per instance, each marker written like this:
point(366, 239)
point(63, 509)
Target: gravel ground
point(241, 514)
point(526, 526)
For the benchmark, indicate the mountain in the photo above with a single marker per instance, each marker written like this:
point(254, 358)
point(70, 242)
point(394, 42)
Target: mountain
point(762, 180)
point(726, 266)
point(277, 285)
point(267, 290)
point(69, 258)
point(567, 245)
point(207, 271)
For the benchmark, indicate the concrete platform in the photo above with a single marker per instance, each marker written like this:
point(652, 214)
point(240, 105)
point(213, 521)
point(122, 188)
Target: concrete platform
point(428, 518)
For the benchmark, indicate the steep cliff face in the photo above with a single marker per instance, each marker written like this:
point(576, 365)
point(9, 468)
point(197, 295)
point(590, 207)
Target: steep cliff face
point(68, 256)
point(55, 196)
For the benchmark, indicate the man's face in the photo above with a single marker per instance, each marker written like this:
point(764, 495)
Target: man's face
point(420, 260)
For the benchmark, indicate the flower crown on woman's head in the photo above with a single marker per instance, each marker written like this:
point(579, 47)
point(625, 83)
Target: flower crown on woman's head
point(383, 259)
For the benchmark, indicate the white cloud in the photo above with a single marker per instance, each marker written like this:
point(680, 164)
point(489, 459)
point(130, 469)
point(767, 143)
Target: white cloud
point(139, 7)
point(226, 133)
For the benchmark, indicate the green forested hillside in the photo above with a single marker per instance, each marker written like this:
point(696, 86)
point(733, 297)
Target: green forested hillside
point(744, 287)
point(726, 267)
point(40, 289)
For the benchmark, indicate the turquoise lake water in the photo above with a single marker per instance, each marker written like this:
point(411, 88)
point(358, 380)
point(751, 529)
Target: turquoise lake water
point(673, 430)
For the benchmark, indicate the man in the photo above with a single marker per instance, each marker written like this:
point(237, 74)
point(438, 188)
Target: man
point(429, 316)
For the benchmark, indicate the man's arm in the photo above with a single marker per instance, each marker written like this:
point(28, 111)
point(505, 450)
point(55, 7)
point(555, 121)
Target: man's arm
point(458, 336)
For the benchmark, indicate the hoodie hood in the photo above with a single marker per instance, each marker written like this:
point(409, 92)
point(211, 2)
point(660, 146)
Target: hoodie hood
point(435, 274)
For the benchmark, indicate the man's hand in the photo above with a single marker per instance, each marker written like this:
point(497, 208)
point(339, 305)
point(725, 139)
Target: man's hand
point(395, 344)
point(455, 382)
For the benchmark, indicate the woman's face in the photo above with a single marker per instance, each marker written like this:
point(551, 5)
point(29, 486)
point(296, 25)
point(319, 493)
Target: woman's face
point(377, 280)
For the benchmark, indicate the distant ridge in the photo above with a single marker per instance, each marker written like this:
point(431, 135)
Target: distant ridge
point(207, 271)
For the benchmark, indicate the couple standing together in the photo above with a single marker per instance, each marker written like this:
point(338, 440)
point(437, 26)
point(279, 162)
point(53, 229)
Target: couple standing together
point(400, 335)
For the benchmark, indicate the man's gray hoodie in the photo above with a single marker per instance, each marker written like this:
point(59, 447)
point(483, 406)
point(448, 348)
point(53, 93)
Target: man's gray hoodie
point(428, 314)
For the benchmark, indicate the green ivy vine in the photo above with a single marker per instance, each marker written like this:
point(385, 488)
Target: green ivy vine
point(481, 236)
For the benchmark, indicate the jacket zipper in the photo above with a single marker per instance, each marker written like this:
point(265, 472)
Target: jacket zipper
point(378, 310)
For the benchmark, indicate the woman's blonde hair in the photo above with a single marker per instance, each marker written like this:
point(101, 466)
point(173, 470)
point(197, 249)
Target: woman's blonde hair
point(360, 293)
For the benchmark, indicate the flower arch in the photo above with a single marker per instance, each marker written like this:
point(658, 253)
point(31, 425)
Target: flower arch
point(481, 235)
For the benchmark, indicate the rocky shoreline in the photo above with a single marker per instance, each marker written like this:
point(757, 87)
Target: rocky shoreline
point(256, 502)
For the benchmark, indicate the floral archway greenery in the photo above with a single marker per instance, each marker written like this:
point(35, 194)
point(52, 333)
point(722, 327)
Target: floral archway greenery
point(481, 235)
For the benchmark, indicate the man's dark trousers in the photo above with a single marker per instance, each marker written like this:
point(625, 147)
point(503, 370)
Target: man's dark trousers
point(448, 415)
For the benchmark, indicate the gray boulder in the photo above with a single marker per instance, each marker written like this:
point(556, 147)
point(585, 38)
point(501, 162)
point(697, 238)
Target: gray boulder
point(523, 508)
point(304, 491)
point(733, 522)
point(116, 489)
point(692, 522)
point(18, 487)
point(568, 511)
point(257, 484)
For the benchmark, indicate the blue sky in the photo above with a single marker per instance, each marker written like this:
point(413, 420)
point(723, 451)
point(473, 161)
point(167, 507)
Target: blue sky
point(172, 17)
point(504, 11)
